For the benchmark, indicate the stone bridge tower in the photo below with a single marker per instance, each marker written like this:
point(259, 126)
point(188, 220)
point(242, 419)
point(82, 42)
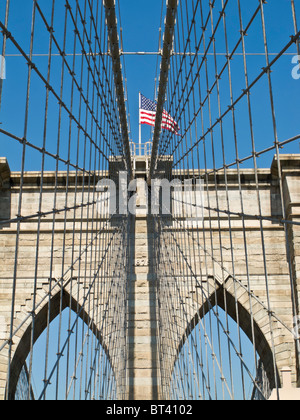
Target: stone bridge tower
point(266, 315)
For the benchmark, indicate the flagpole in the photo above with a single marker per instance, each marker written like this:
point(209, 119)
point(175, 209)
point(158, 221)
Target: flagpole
point(140, 128)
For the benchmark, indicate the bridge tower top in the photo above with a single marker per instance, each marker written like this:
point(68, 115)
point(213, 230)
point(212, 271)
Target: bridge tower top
point(141, 156)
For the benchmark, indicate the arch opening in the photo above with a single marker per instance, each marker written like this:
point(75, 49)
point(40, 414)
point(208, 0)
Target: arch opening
point(68, 360)
point(212, 366)
point(223, 354)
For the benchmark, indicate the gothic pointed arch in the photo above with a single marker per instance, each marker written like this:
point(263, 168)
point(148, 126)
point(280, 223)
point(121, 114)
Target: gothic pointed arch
point(52, 308)
point(222, 298)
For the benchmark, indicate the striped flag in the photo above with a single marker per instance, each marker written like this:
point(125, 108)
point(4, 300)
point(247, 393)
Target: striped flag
point(148, 116)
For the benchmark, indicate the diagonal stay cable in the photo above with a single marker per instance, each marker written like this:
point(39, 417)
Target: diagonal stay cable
point(170, 23)
point(111, 21)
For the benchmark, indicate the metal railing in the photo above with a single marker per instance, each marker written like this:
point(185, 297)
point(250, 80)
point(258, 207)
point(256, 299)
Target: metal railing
point(144, 149)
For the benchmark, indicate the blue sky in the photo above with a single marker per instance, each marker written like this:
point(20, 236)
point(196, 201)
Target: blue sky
point(140, 23)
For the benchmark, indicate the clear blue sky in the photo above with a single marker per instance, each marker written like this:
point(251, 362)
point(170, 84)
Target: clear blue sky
point(140, 22)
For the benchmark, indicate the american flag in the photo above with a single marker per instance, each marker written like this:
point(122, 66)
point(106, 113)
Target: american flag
point(148, 115)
